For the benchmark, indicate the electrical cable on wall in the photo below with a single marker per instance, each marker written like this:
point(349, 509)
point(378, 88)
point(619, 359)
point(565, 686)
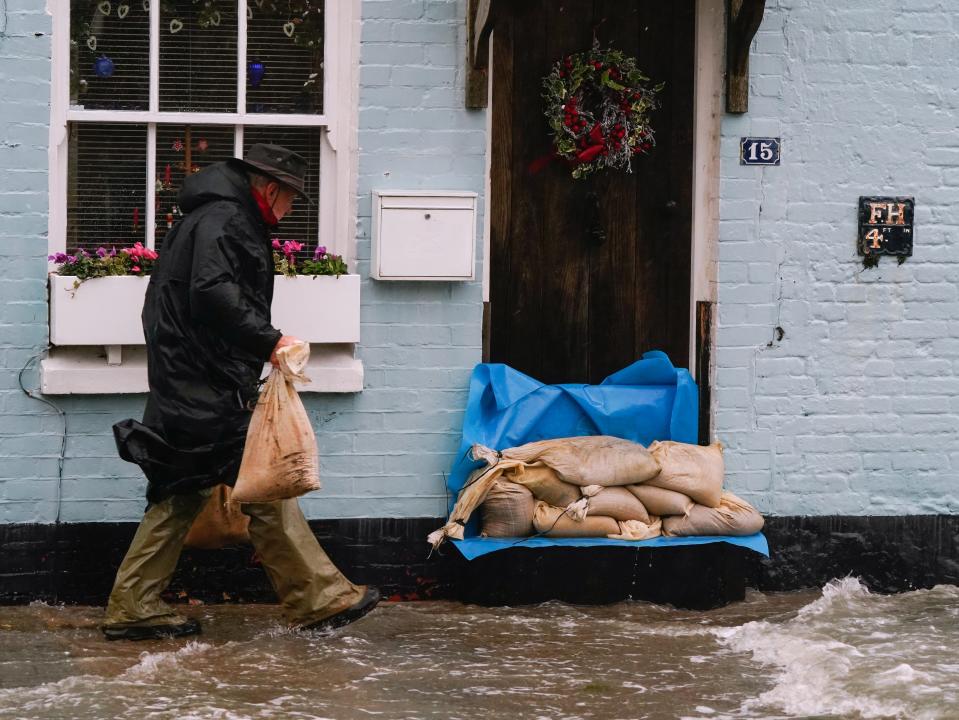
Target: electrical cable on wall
point(63, 418)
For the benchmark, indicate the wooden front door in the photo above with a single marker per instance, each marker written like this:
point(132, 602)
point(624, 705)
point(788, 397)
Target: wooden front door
point(585, 276)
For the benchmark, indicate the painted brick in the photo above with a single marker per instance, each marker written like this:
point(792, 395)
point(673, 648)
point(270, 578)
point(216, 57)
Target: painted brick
point(855, 410)
point(850, 434)
point(383, 451)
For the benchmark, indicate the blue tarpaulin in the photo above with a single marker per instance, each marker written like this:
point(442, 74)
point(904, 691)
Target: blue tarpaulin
point(649, 400)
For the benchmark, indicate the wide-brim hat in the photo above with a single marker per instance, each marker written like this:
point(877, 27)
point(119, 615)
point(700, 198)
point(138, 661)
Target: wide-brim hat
point(280, 164)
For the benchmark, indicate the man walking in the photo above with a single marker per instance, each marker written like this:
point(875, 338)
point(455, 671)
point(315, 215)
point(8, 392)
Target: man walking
point(206, 319)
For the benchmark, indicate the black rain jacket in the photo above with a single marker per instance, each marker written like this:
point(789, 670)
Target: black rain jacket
point(206, 319)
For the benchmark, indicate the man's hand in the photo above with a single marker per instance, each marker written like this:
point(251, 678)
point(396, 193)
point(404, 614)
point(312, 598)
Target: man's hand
point(283, 342)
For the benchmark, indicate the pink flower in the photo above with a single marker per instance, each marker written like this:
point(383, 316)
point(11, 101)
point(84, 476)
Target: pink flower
point(137, 251)
point(291, 246)
point(135, 268)
point(276, 244)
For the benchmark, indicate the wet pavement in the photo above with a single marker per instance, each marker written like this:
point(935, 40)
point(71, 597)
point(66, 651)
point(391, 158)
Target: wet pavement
point(841, 653)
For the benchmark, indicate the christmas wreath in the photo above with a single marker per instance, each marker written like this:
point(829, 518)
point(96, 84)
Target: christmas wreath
point(598, 106)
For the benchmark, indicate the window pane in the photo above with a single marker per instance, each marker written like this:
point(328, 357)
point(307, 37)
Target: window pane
point(285, 57)
point(180, 147)
point(109, 54)
point(198, 55)
point(302, 224)
point(106, 190)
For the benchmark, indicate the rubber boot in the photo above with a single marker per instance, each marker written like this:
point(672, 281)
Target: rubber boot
point(308, 584)
point(135, 610)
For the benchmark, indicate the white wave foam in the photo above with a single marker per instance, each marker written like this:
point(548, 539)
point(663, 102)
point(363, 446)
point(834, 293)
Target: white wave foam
point(152, 663)
point(836, 592)
point(829, 660)
point(810, 681)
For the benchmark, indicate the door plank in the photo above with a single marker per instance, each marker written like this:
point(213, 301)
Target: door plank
point(613, 313)
point(664, 198)
point(565, 311)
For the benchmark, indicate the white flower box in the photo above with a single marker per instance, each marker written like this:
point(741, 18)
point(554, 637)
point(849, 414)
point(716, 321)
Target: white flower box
point(106, 311)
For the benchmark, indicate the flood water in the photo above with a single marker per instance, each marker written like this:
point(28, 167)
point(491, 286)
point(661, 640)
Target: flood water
point(837, 653)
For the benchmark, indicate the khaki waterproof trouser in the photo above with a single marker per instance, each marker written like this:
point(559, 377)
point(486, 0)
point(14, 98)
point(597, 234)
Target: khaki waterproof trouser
point(308, 584)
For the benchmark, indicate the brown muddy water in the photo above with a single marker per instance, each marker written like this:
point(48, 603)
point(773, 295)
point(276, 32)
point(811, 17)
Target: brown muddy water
point(837, 653)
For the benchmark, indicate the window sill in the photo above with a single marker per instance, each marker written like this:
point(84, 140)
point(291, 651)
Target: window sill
point(86, 371)
point(98, 335)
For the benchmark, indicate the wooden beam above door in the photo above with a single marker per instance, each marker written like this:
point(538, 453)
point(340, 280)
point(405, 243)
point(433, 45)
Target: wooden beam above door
point(745, 17)
point(480, 17)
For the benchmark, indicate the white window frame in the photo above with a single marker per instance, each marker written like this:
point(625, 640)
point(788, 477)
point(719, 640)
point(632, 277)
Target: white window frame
point(338, 147)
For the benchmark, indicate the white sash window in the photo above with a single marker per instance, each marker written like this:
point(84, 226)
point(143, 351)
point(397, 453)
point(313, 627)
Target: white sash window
point(146, 92)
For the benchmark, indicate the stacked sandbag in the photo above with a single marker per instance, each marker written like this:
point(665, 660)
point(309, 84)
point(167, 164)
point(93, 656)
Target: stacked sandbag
point(659, 501)
point(618, 503)
point(734, 516)
point(685, 498)
point(544, 483)
point(507, 511)
point(589, 460)
point(601, 486)
point(556, 522)
point(692, 470)
point(471, 496)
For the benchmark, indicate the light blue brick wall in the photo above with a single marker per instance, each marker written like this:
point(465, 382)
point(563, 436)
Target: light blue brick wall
point(855, 410)
point(385, 450)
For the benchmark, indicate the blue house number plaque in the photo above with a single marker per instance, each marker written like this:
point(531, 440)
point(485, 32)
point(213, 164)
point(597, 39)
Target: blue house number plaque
point(759, 150)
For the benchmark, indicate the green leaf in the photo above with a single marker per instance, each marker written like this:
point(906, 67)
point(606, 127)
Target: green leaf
point(612, 83)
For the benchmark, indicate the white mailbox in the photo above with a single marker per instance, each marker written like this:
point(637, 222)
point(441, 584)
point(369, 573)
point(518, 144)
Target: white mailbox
point(423, 235)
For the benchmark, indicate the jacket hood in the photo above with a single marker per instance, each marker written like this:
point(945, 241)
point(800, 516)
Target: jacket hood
point(221, 181)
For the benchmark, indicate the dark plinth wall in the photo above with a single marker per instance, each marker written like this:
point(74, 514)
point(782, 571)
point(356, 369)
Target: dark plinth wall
point(75, 563)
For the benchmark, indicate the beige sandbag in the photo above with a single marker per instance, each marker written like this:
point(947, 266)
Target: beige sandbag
point(734, 516)
point(220, 522)
point(638, 530)
point(544, 483)
point(659, 501)
point(280, 459)
point(507, 510)
point(617, 503)
point(556, 522)
point(470, 496)
point(693, 470)
point(588, 460)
